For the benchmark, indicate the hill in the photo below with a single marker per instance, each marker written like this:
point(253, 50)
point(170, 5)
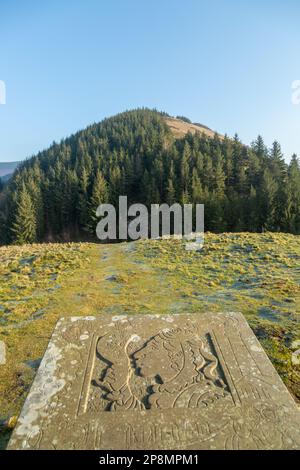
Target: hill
point(256, 274)
point(151, 158)
point(7, 168)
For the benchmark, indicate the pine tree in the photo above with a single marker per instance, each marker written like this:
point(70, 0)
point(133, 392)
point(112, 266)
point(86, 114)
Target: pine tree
point(185, 168)
point(24, 226)
point(277, 164)
point(171, 193)
point(219, 178)
point(99, 196)
point(170, 198)
point(115, 185)
point(215, 213)
point(69, 204)
point(185, 198)
point(292, 188)
point(260, 149)
point(197, 192)
point(278, 169)
point(83, 185)
point(251, 214)
point(35, 192)
point(3, 232)
point(268, 192)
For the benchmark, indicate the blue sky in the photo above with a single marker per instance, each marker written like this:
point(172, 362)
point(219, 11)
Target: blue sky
point(227, 64)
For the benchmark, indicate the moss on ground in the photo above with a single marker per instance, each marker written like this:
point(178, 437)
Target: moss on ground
point(256, 274)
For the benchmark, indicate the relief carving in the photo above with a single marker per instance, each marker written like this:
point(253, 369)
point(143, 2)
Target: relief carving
point(176, 368)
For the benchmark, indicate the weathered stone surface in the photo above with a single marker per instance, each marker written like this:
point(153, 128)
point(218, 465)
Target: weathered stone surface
point(157, 382)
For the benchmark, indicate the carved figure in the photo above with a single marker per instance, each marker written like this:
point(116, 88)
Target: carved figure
point(175, 368)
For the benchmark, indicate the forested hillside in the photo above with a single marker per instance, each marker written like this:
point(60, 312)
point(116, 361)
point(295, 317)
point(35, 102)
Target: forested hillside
point(54, 195)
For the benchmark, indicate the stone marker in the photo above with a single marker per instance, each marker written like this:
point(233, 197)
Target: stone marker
point(157, 382)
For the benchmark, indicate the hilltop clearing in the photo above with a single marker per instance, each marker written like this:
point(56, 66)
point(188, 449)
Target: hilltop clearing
point(256, 274)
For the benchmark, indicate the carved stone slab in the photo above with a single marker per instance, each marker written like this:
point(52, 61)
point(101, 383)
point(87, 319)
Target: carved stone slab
point(157, 382)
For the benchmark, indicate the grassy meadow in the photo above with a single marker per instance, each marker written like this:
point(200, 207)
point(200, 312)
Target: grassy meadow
point(256, 274)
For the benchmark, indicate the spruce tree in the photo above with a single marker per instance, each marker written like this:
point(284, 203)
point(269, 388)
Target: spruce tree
point(292, 188)
point(82, 208)
point(197, 192)
point(170, 198)
point(171, 193)
point(24, 225)
point(99, 196)
point(185, 168)
point(268, 193)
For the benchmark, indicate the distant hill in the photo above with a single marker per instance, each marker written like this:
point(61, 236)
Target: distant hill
point(7, 168)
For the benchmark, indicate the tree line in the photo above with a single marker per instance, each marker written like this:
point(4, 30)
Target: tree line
point(54, 195)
